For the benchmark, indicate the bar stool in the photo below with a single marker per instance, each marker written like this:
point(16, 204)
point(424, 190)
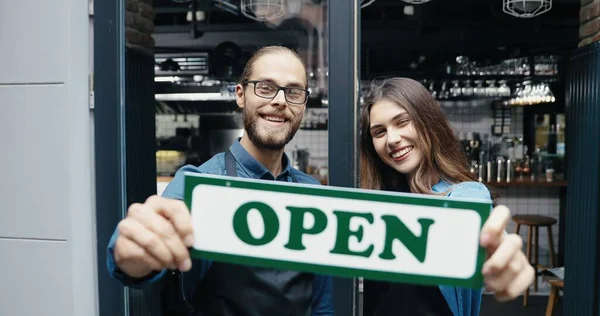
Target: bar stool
point(557, 285)
point(534, 222)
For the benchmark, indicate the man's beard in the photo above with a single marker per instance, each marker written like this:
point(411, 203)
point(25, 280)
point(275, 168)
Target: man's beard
point(271, 141)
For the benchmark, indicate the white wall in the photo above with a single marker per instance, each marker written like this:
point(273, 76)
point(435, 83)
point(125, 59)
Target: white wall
point(47, 232)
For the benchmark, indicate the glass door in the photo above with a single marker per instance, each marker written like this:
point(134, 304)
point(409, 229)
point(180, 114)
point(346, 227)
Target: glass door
point(199, 48)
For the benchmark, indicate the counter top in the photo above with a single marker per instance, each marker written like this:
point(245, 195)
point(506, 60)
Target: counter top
point(527, 183)
point(516, 183)
point(164, 179)
point(323, 180)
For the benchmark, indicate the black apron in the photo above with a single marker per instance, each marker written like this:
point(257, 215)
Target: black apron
point(236, 290)
point(397, 299)
point(382, 298)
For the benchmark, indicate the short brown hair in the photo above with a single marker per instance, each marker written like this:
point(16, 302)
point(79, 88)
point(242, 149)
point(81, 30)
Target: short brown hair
point(267, 50)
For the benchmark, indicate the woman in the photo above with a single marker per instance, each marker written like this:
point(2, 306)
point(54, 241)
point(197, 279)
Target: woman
point(408, 145)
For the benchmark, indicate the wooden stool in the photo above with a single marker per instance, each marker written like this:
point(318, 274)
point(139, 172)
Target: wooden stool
point(557, 285)
point(534, 222)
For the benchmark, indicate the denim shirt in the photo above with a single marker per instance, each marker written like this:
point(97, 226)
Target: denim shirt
point(463, 302)
point(247, 167)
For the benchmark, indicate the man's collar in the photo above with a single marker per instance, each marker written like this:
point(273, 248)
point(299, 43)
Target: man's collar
point(252, 167)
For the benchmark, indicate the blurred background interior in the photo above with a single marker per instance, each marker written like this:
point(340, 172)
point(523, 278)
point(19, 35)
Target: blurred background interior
point(497, 68)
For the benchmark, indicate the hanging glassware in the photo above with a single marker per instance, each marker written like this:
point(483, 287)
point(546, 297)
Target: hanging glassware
point(504, 89)
point(432, 90)
point(491, 90)
point(479, 90)
point(456, 90)
point(529, 94)
point(444, 92)
point(467, 89)
point(526, 8)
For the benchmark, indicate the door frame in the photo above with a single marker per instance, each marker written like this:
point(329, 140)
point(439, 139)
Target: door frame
point(344, 102)
point(110, 136)
point(109, 130)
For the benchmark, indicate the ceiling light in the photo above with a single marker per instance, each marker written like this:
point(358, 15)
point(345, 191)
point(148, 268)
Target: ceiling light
point(365, 3)
point(526, 8)
point(416, 1)
point(262, 10)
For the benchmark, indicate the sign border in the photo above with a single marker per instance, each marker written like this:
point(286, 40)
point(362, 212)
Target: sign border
point(481, 207)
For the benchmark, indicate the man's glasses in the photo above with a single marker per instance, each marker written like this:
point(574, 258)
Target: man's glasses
point(268, 90)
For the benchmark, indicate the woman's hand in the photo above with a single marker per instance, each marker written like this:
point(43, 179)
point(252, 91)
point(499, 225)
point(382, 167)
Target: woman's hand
point(507, 271)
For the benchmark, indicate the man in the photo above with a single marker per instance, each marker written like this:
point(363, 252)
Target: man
point(154, 236)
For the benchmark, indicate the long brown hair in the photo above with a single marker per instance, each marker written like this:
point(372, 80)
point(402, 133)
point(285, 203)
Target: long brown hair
point(442, 154)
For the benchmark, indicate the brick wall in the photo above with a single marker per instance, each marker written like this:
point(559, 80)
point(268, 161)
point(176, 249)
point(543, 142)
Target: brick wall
point(589, 18)
point(139, 25)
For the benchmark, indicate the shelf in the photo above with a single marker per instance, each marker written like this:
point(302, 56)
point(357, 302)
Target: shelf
point(527, 183)
point(522, 183)
point(422, 75)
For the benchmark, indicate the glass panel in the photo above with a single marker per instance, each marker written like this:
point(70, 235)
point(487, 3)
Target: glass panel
point(201, 48)
point(550, 145)
point(484, 65)
point(196, 113)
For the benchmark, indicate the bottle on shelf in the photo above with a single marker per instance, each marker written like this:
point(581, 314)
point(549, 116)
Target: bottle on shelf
point(536, 165)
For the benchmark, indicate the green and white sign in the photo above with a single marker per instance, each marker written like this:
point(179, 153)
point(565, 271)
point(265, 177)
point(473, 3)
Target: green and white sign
point(398, 237)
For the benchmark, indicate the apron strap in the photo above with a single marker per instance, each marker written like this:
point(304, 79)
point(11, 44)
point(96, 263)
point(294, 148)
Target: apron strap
point(230, 164)
point(293, 178)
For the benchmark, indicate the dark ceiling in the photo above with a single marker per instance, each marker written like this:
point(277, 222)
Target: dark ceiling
point(442, 30)
point(437, 32)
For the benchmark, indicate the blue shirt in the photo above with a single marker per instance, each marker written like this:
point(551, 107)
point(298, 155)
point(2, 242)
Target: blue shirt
point(247, 167)
point(463, 302)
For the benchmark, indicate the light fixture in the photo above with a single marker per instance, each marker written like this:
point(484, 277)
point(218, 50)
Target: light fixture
point(365, 3)
point(262, 10)
point(526, 8)
point(416, 1)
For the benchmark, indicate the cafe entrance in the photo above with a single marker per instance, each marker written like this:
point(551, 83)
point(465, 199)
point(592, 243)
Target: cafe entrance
point(518, 82)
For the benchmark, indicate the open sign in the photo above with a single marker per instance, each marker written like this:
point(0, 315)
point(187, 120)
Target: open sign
point(407, 238)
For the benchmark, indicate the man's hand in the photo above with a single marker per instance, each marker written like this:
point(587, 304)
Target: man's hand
point(507, 272)
point(154, 236)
